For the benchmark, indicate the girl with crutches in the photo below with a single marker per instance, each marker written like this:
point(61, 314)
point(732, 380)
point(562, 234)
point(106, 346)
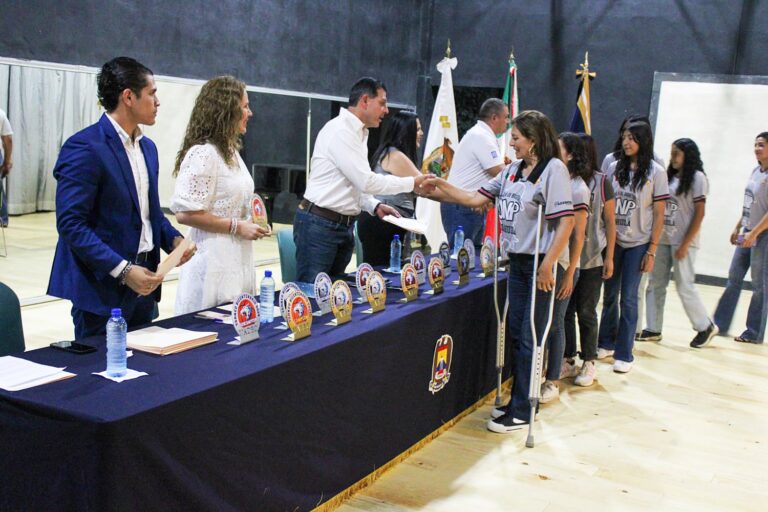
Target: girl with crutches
point(539, 178)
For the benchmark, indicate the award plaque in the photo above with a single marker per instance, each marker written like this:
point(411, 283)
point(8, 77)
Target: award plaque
point(361, 280)
point(341, 302)
point(436, 275)
point(286, 293)
point(245, 318)
point(376, 292)
point(420, 265)
point(258, 211)
point(486, 257)
point(469, 245)
point(409, 283)
point(462, 264)
point(445, 255)
point(299, 317)
point(323, 285)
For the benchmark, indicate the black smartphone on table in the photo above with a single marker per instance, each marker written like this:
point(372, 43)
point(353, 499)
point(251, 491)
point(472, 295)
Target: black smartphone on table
point(73, 346)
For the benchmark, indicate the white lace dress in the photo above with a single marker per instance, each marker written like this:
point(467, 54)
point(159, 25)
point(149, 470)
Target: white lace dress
point(222, 267)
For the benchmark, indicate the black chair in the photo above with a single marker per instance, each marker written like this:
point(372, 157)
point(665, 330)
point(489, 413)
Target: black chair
point(11, 333)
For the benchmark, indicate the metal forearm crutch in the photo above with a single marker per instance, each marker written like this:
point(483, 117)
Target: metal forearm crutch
point(537, 359)
point(501, 319)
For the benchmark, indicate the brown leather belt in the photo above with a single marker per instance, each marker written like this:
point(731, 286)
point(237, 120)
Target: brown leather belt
point(325, 213)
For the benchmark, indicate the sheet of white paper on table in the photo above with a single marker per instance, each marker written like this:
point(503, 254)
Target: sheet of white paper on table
point(407, 224)
point(130, 375)
point(17, 374)
point(156, 336)
point(174, 258)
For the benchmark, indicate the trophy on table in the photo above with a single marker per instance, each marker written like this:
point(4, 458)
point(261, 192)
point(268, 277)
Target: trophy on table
point(409, 283)
point(436, 276)
point(361, 281)
point(323, 285)
point(245, 318)
point(341, 303)
point(469, 245)
point(420, 264)
point(462, 264)
point(299, 317)
point(376, 291)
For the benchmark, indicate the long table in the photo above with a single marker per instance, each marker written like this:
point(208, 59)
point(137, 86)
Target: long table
point(270, 425)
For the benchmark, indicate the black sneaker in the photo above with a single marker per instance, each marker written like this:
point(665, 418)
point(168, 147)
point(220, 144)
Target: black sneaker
point(648, 336)
point(704, 337)
point(506, 424)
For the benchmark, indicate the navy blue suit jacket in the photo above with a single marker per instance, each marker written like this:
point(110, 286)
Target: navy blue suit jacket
point(99, 221)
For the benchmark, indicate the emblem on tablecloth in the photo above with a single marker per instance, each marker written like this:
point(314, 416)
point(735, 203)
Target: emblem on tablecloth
point(420, 265)
point(436, 275)
point(361, 279)
point(469, 245)
point(445, 255)
point(376, 291)
point(409, 282)
point(245, 317)
point(258, 211)
point(462, 264)
point(341, 302)
point(323, 285)
point(441, 363)
point(300, 316)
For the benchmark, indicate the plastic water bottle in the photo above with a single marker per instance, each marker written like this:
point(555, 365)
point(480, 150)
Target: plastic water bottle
point(458, 240)
point(395, 252)
point(117, 359)
point(267, 298)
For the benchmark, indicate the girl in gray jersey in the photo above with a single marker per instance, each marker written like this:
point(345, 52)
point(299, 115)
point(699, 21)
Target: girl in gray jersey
point(596, 266)
point(684, 213)
point(641, 191)
point(573, 153)
point(540, 178)
point(751, 241)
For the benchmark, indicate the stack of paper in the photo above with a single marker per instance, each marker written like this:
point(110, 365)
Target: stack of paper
point(157, 340)
point(17, 374)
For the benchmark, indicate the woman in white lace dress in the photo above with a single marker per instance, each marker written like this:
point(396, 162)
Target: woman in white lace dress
point(212, 194)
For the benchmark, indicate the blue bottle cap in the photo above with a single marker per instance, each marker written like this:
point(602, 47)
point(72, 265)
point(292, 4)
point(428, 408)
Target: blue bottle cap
point(460, 228)
point(117, 312)
point(267, 273)
point(397, 237)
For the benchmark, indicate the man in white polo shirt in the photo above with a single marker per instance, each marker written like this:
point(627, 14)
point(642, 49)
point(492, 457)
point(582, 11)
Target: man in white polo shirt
point(476, 162)
point(341, 184)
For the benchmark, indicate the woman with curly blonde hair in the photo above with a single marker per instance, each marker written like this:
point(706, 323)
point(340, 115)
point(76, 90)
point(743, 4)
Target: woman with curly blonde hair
point(212, 194)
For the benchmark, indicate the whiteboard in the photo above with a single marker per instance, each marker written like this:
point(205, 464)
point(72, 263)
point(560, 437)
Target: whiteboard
point(723, 119)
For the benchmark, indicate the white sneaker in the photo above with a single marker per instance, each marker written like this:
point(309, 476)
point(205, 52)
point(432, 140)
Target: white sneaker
point(498, 412)
point(568, 369)
point(621, 366)
point(602, 353)
point(587, 374)
point(549, 392)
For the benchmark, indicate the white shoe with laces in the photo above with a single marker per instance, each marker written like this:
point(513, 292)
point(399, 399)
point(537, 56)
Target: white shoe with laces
point(549, 392)
point(603, 353)
point(620, 366)
point(587, 374)
point(568, 369)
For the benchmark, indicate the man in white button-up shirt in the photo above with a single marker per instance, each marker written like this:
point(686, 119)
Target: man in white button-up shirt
point(341, 184)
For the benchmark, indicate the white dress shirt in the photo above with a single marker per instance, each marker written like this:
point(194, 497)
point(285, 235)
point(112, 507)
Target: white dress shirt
point(477, 152)
point(341, 178)
point(141, 179)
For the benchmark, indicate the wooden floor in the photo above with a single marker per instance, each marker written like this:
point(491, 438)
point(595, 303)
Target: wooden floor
point(685, 430)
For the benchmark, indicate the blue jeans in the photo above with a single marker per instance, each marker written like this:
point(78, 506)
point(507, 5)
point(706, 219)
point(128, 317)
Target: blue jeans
point(617, 332)
point(744, 259)
point(556, 338)
point(321, 246)
point(473, 224)
point(3, 199)
point(521, 278)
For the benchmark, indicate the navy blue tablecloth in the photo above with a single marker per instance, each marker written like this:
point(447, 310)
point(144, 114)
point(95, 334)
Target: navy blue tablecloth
point(270, 425)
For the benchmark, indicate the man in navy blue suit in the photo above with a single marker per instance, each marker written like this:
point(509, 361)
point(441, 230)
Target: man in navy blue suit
point(108, 215)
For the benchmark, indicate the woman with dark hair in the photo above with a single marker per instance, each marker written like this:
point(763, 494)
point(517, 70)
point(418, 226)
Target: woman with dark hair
point(574, 155)
point(538, 179)
point(213, 190)
point(617, 151)
point(396, 155)
point(751, 241)
point(684, 214)
point(641, 189)
point(596, 266)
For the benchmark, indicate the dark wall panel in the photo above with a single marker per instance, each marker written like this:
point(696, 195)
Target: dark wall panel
point(627, 41)
point(303, 45)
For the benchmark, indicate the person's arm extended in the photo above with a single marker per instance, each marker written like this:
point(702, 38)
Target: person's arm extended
point(693, 230)
point(609, 216)
point(207, 221)
point(574, 253)
point(493, 171)
point(658, 227)
point(545, 279)
point(448, 193)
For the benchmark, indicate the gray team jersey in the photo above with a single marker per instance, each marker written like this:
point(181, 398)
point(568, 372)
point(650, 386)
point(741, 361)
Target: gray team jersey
point(580, 193)
point(601, 190)
point(678, 214)
point(610, 159)
point(518, 205)
point(755, 199)
point(634, 208)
